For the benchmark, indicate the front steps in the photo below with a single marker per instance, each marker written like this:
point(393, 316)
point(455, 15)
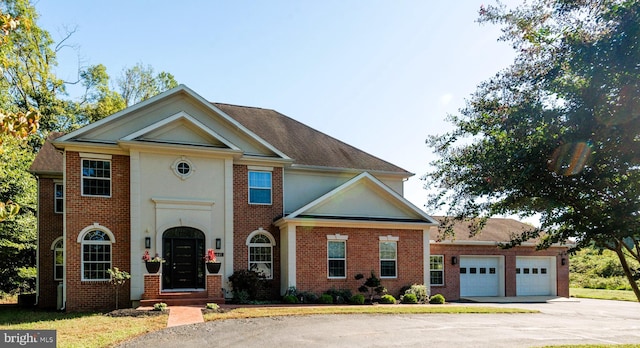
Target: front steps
point(190, 298)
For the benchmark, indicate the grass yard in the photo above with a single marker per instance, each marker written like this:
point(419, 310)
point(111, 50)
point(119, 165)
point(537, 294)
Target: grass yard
point(80, 329)
point(257, 312)
point(601, 294)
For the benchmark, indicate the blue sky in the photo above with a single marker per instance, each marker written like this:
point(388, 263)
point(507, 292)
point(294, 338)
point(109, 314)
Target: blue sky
point(379, 75)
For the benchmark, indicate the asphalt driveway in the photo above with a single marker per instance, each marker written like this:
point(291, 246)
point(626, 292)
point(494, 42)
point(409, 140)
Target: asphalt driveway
point(584, 322)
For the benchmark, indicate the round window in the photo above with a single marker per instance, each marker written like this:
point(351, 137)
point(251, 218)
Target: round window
point(183, 168)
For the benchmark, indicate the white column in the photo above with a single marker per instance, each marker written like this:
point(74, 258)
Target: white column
point(426, 246)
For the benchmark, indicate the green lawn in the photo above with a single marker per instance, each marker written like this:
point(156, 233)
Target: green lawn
point(600, 294)
point(80, 329)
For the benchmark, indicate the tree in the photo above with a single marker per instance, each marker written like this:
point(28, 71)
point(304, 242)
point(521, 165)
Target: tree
point(17, 233)
point(139, 83)
point(556, 134)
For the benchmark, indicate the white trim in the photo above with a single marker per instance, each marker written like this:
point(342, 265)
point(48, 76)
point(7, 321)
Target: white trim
point(82, 177)
point(82, 242)
point(96, 226)
point(380, 259)
point(365, 176)
point(426, 256)
point(261, 231)
point(344, 259)
point(54, 249)
point(442, 270)
point(259, 169)
point(174, 91)
point(259, 188)
point(337, 236)
point(389, 238)
point(177, 117)
point(95, 155)
point(183, 159)
point(56, 198)
point(272, 243)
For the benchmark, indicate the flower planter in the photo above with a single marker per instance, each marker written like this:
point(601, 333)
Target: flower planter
point(153, 267)
point(213, 267)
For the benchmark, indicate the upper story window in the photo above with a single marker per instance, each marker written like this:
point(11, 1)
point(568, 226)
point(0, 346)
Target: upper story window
point(96, 177)
point(59, 198)
point(259, 187)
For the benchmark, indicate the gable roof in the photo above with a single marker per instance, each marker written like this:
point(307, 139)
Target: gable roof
point(364, 198)
point(49, 159)
point(306, 145)
point(287, 138)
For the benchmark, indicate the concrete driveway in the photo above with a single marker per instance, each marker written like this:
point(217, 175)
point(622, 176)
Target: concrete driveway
point(584, 322)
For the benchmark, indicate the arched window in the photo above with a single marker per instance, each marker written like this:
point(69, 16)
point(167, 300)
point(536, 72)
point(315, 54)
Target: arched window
point(261, 253)
point(58, 258)
point(96, 255)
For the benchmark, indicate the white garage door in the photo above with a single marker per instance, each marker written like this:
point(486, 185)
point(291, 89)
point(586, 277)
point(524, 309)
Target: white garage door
point(535, 276)
point(479, 276)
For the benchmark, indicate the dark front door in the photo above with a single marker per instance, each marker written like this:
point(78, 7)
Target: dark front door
point(183, 249)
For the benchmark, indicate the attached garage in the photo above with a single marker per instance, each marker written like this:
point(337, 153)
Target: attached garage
point(481, 276)
point(535, 276)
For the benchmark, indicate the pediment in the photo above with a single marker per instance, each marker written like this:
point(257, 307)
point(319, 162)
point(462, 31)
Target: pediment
point(181, 129)
point(363, 198)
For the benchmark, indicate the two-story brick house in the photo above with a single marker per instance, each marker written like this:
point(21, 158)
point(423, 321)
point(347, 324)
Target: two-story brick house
point(177, 175)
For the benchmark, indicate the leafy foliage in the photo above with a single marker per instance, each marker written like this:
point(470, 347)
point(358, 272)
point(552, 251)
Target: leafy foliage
point(325, 299)
point(246, 283)
point(357, 299)
point(437, 299)
point(372, 286)
point(117, 279)
point(555, 134)
point(409, 299)
point(598, 269)
point(18, 233)
point(387, 299)
point(419, 291)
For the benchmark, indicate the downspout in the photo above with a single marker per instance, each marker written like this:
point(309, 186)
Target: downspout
point(38, 242)
point(64, 230)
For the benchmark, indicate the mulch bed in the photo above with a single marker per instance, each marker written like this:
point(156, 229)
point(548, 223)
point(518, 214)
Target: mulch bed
point(132, 312)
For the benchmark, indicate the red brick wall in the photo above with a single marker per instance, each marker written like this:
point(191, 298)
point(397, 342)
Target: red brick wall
point(362, 257)
point(50, 227)
point(113, 213)
point(451, 288)
point(250, 217)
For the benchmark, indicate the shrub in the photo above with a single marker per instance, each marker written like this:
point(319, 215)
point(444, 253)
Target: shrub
point(241, 296)
point(307, 297)
point(388, 299)
point(437, 299)
point(247, 281)
point(422, 295)
point(339, 296)
point(357, 299)
point(372, 286)
point(409, 298)
point(326, 299)
point(160, 306)
point(290, 299)
point(213, 306)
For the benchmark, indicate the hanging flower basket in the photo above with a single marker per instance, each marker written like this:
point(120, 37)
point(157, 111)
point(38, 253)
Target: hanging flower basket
point(213, 267)
point(153, 267)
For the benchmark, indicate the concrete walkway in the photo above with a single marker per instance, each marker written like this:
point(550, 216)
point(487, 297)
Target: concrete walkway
point(184, 315)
